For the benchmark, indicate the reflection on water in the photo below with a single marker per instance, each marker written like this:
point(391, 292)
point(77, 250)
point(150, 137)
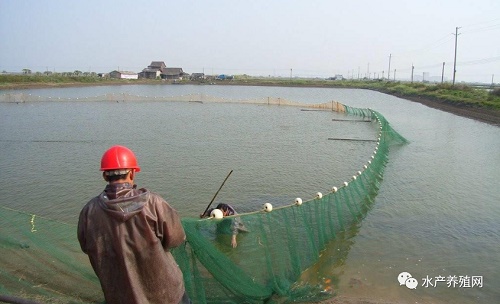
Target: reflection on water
point(436, 213)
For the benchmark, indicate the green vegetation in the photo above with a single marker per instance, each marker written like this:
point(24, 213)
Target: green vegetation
point(460, 95)
point(51, 79)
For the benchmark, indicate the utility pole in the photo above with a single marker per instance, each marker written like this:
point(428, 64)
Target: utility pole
point(394, 74)
point(291, 71)
point(455, 60)
point(389, 70)
point(412, 68)
point(368, 71)
point(442, 74)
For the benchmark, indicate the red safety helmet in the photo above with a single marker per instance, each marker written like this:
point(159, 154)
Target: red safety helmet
point(119, 157)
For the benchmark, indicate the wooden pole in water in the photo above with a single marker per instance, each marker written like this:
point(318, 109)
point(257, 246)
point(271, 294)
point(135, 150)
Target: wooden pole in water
point(217, 192)
point(351, 139)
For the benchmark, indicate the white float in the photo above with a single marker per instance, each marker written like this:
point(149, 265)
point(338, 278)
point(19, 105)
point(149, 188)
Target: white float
point(268, 207)
point(216, 213)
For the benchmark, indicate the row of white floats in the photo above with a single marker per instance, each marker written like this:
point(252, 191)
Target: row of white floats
point(268, 207)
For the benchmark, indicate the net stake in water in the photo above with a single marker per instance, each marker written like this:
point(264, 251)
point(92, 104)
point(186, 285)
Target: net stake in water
point(351, 139)
point(217, 192)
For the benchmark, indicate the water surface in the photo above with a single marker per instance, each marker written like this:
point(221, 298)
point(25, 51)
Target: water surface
point(436, 213)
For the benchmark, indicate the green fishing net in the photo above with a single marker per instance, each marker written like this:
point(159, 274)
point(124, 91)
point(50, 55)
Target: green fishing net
point(278, 254)
point(279, 246)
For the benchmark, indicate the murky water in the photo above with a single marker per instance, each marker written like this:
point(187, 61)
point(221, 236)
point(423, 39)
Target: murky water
point(436, 215)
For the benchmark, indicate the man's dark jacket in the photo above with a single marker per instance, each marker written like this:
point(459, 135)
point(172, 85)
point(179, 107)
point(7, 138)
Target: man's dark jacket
point(127, 234)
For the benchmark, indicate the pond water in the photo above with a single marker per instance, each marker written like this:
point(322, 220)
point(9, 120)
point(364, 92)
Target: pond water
point(436, 215)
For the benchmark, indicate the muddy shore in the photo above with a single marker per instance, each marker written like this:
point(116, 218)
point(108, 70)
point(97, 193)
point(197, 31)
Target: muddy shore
point(489, 116)
point(486, 115)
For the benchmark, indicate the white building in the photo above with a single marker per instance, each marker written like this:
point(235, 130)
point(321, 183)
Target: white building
point(123, 75)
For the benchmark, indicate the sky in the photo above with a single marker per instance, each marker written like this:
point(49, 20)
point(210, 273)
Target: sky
point(277, 38)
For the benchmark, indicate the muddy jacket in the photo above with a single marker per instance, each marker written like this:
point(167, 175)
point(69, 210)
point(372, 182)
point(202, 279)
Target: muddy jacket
point(127, 234)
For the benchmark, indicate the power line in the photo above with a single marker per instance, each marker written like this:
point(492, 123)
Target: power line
point(480, 61)
point(483, 29)
point(432, 45)
point(481, 25)
point(483, 22)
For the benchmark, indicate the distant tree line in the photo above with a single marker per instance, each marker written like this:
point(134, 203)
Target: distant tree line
point(63, 74)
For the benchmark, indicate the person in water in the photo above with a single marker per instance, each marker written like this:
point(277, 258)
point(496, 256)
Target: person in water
point(232, 226)
point(127, 234)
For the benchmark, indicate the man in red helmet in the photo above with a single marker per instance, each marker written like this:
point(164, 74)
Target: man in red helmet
point(128, 233)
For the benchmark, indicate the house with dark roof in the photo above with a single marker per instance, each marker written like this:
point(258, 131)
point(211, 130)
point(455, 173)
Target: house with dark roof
point(197, 76)
point(157, 65)
point(172, 73)
point(154, 70)
point(158, 69)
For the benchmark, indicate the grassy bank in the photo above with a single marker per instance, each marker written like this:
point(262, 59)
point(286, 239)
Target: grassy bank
point(458, 95)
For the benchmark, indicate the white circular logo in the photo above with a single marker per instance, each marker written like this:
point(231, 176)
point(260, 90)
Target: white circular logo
point(405, 278)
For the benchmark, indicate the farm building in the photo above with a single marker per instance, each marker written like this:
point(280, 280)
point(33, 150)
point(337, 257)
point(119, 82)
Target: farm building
point(172, 73)
point(158, 69)
point(123, 75)
point(154, 70)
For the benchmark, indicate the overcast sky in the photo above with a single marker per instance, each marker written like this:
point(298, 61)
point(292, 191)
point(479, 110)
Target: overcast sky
point(258, 37)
